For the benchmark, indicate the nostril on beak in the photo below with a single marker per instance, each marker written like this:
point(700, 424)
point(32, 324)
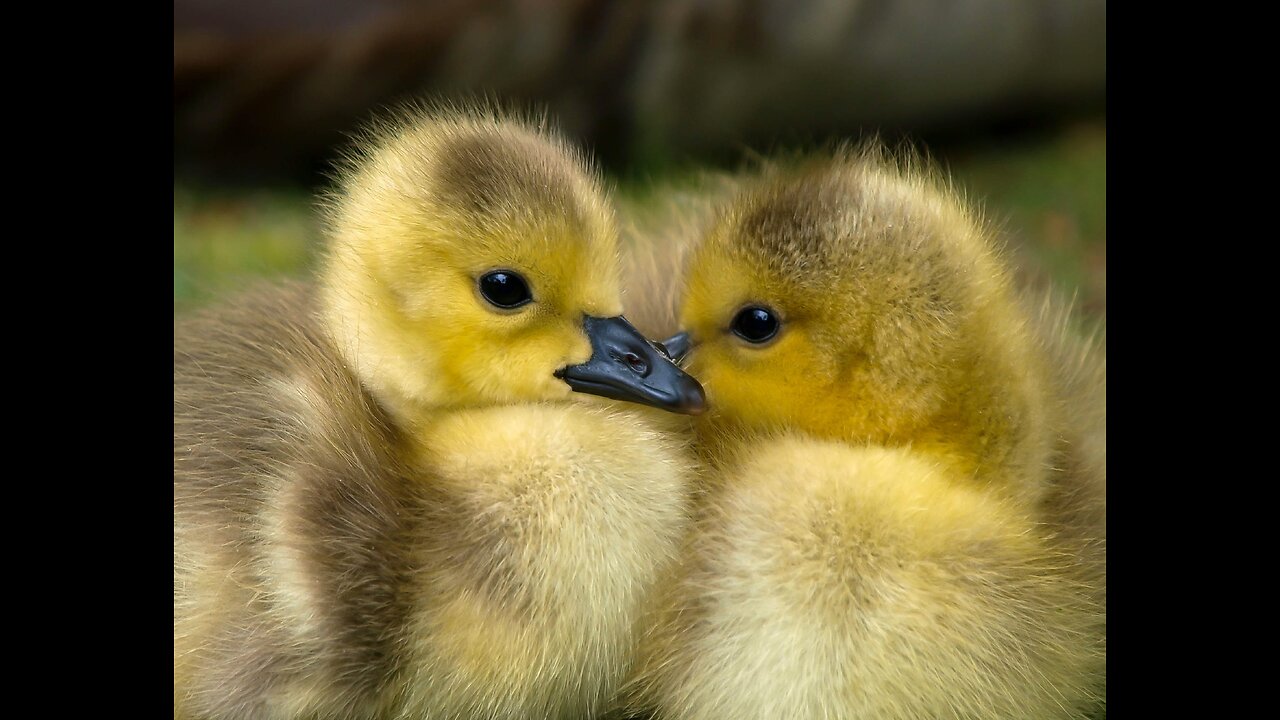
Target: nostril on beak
point(636, 363)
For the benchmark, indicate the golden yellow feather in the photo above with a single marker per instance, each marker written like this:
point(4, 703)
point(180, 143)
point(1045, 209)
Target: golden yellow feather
point(388, 502)
point(899, 517)
point(429, 208)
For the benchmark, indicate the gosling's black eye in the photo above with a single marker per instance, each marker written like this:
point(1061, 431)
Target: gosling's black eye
point(755, 324)
point(505, 289)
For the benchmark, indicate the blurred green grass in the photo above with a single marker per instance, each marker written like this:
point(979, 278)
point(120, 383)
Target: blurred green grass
point(1049, 197)
point(223, 239)
point(1047, 192)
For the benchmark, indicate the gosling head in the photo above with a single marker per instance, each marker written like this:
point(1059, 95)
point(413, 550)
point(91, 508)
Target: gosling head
point(856, 300)
point(473, 262)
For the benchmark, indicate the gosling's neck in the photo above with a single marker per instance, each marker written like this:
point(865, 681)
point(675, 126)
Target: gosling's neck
point(995, 432)
point(357, 314)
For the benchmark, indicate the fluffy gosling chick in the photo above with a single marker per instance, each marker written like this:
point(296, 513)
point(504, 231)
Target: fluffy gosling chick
point(897, 521)
point(388, 499)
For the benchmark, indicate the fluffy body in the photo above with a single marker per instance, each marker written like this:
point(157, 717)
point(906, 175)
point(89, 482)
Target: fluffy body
point(385, 505)
point(903, 512)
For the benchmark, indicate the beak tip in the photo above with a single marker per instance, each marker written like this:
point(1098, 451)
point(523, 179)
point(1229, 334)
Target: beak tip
point(677, 346)
point(694, 401)
point(624, 365)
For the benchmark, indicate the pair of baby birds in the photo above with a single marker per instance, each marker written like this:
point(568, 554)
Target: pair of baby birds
point(450, 480)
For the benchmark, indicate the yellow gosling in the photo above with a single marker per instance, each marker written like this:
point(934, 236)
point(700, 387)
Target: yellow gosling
point(388, 499)
point(903, 509)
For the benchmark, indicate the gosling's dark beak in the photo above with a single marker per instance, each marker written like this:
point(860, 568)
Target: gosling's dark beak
point(678, 346)
point(626, 366)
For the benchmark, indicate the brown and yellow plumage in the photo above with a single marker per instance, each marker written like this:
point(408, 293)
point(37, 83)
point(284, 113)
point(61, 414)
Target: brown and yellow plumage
point(902, 512)
point(386, 501)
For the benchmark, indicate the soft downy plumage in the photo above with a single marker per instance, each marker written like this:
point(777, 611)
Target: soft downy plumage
point(388, 500)
point(902, 511)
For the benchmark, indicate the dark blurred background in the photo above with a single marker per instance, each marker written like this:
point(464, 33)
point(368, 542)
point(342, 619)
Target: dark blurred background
point(1009, 95)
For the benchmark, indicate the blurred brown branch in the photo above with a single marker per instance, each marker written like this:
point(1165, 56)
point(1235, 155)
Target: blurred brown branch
point(271, 85)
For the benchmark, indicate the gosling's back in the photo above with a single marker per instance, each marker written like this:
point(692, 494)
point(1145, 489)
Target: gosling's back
point(276, 445)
